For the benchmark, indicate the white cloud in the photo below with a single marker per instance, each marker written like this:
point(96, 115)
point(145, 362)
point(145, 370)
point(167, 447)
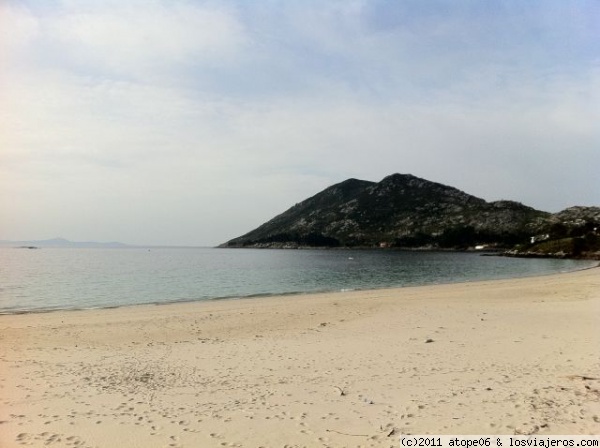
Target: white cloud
point(18, 28)
point(144, 40)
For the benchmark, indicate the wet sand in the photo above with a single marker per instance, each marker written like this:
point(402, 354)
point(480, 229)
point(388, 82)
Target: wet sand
point(345, 369)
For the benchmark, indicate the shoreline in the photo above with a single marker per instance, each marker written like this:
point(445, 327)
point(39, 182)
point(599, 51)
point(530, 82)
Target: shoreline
point(510, 356)
point(274, 295)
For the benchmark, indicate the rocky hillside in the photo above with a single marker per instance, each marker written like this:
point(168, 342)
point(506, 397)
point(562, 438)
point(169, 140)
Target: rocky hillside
point(577, 217)
point(400, 211)
point(571, 233)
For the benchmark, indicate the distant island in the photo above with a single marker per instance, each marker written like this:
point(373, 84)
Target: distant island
point(407, 212)
point(60, 242)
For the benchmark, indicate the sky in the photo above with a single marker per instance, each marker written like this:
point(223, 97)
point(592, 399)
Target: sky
point(172, 122)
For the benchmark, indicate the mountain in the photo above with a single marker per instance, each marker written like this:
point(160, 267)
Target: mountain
point(400, 211)
point(60, 242)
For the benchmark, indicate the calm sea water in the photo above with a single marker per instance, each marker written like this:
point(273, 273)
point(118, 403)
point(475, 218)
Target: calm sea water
point(49, 279)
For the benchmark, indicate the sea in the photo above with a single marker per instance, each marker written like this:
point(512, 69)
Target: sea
point(68, 278)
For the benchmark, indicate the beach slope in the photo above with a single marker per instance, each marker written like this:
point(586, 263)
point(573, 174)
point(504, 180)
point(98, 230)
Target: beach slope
point(350, 369)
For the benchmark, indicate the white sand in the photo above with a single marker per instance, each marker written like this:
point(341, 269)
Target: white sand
point(507, 357)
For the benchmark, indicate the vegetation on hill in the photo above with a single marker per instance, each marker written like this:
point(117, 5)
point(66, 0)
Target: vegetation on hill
point(404, 211)
point(572, 233)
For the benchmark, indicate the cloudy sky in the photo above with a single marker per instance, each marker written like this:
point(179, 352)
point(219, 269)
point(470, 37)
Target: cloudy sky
point(191, 122)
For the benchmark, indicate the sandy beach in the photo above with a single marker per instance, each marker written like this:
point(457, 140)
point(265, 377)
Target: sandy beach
point(348, 369)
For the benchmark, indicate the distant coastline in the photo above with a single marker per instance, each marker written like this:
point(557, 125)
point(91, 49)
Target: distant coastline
point(61, 242)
